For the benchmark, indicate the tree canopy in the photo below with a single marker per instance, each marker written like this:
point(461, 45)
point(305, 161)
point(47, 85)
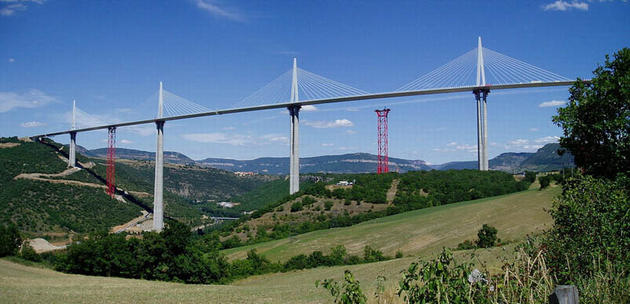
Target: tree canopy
point(596, 120)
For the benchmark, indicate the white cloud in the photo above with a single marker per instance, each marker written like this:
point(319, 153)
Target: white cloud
point(31, 99)
point(275, 138)
point(451, 144)
point(219, 138)
point(32, 124)
point(126, 142)
point(560, 5)
point(309, 108)
point(351, 132)
point(533, 129)
point(236, 139)
point(547, 139)
point(211, 7)
point(327, 145)
point(10, 7)
point(330, 124)
point(228, 128)
point(11, 60)
point(552, 103)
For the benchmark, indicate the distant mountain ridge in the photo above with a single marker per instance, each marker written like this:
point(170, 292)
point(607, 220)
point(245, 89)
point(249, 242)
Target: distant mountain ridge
point(545, 159)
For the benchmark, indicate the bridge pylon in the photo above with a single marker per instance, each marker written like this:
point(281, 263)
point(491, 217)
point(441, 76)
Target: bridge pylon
point(158, 190)
point(72, 158)
point(481, 94)
point(294, 111)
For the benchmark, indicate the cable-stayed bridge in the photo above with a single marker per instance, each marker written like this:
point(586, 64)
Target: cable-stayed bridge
point(478, 71)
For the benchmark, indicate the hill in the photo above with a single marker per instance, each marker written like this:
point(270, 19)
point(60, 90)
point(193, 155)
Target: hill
point(422, 231)
point(345, 163)
point(122, 153)
point(544, 159)
point(39, 194)
point(330, 203)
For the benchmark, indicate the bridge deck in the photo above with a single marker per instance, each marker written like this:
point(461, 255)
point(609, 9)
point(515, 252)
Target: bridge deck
point(322, 101)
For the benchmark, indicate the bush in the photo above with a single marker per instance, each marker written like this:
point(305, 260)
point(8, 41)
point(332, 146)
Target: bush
point(399, 254)
point(29, 254)
point(544, 181)
point(530, 176)
point(487, 236)
point(441, 281)
point(591, 222)
point(465, 245)
point(349, 292)
point(10, 240)
point(328, 205)
point(297, 206)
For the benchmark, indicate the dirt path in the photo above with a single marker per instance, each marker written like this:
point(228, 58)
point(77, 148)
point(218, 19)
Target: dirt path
point(8, 145)
point(391, 193)
point(126, 226)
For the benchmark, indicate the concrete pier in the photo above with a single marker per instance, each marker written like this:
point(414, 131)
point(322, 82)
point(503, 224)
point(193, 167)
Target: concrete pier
point(158, 191)
point(294, 160)
point(72, 153)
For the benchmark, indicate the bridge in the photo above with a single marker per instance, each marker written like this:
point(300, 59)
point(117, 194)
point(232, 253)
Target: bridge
point(478, 71)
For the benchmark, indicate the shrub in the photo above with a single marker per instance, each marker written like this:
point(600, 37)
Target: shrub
point(328, 205)
point(348, 292)
point(372, 255)
point(297, 206)
point(442, 281)
point(399, 254)
point(10, 240)
point(544, 181)
point(487, 236)
point(530, 176)
point(465, 245)
point(591, 222)
point(29, 254)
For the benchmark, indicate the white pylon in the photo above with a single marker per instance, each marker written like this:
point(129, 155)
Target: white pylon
point(158, 190)
point(294, 158)
point(72, 150)
point(482, 111)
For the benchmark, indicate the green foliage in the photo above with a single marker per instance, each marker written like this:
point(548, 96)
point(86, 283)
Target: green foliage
point(372, 255)
point(487, 236)
point(442, 281)
point(328, 205)
point(348, 292)
point(432, 188)
point(29, 254)
point(10, 240)
point(544, 181)
point(399, 254)
point(530, 176)
point(297, 206)
point(465, 245)
point(596, 121)
point(591, 222)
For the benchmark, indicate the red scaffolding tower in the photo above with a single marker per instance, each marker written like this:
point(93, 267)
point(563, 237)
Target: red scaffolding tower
point(111, 165)
point(383, 157)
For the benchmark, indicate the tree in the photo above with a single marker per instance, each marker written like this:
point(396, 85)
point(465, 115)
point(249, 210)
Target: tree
point(596, 121)
point(487, 236)
point(10, 240)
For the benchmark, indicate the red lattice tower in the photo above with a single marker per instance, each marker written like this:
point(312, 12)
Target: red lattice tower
point(111, 157)
point(383, 157)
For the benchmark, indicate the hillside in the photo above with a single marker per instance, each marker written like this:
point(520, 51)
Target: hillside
point(424, 231)
point(122, 153)
point(326, 204)
point(345, 163)
point(544, 159)
point(43, 200)
point(421, 231)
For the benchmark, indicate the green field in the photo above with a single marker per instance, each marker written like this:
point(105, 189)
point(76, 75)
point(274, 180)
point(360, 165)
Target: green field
point(423, 231)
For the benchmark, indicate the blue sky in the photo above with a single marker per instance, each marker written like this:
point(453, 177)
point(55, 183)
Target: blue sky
point(111, 55)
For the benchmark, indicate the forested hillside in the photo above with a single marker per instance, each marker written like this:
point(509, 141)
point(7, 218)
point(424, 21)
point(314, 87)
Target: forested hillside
point(50, 198)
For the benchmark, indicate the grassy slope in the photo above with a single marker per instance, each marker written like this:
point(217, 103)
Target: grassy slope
point(514, 215)
point(422, 231)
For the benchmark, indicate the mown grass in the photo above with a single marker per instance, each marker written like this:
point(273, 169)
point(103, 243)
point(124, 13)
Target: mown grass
point(424, 231)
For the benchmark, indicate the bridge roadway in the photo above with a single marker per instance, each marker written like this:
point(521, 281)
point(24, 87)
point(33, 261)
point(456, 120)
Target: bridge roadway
point(321, 101)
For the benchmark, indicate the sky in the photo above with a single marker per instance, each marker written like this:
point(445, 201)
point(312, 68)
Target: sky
point(110, 56)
